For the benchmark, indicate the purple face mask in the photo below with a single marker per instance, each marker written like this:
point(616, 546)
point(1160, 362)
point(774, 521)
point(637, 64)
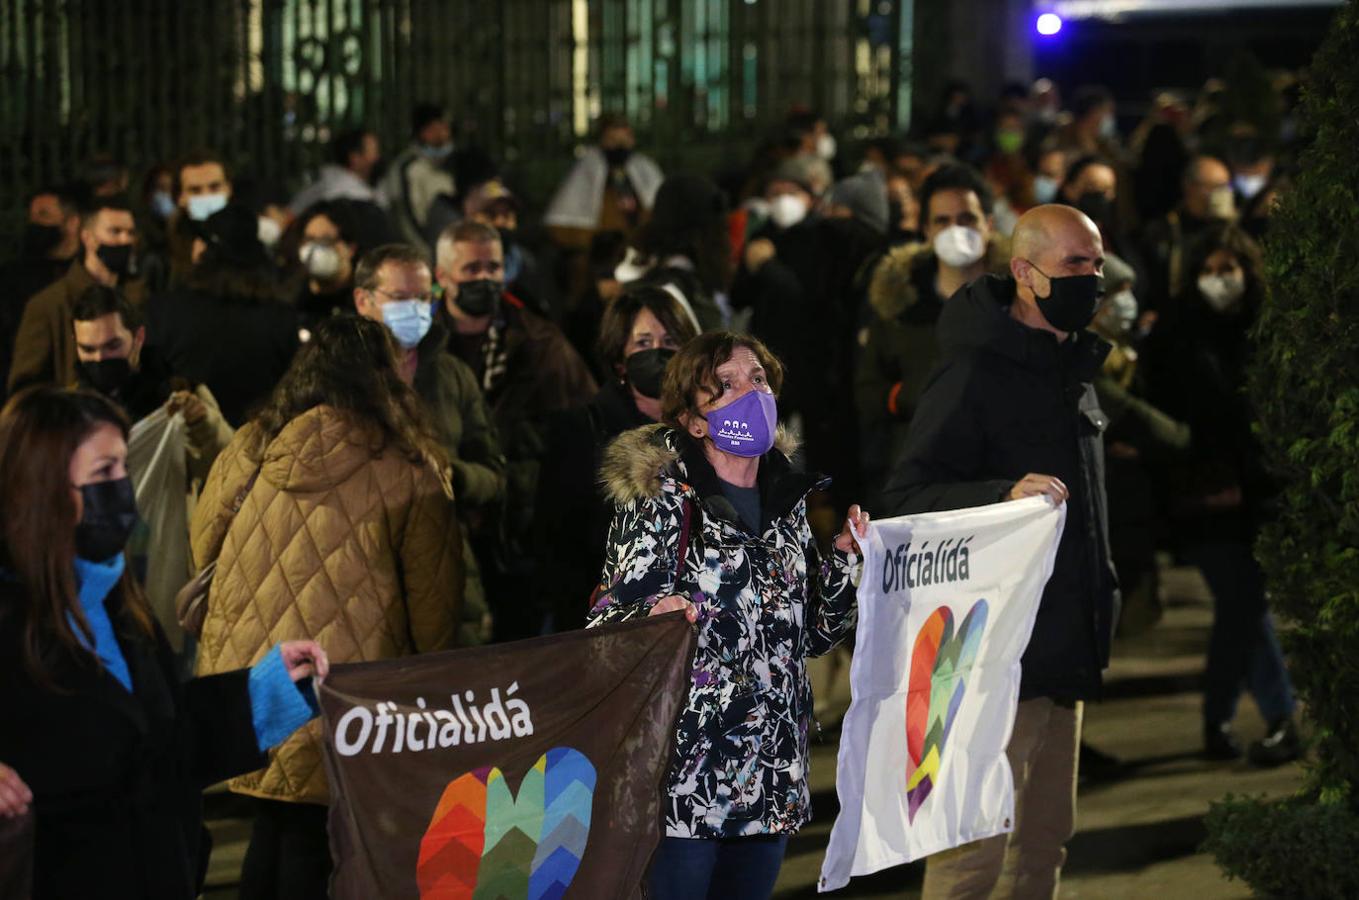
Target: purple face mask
point(745, 426)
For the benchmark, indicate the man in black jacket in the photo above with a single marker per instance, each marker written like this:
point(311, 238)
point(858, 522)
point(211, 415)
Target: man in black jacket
point(1011, 413)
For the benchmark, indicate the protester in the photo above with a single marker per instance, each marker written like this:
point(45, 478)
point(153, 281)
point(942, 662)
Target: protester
point(610, 188)
point(392, 286)
point(44, 348)
point(1093, 129)
point(640, 333)
point(230, 326)
point(114, 751)
point(1139, 441)
point(686, 248)
point(49, 246)
point(328, 249)
point(202, 187)
point(699, 499)
point(906, 295)
point(527, 371)
point(492, 203)
point(355, 156)
point(335, 497)
point(1220, 494)
point(1092, 186)
point(1011, 413)
point(1206, 197)
point(418, 174)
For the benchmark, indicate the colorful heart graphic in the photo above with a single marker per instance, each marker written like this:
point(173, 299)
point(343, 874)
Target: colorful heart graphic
point(484, 843)
point(940, 663)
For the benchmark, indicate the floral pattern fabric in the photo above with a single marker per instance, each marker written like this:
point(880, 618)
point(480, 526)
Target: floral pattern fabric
point(765, 605)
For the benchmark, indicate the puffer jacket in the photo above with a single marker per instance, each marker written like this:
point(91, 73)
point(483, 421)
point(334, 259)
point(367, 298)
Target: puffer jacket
point(766, 603)
point(356, 549)
point(898, 350)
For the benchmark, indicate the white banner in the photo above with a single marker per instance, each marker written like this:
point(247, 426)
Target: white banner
point(946, 606)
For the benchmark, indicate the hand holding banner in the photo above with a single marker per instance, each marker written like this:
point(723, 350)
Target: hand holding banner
point(946, 607)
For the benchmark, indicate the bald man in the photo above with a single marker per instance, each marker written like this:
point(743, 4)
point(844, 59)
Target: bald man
point(1011, 413)
point(1205, 197)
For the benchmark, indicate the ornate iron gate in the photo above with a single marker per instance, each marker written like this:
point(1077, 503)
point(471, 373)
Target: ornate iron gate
point(268, 82)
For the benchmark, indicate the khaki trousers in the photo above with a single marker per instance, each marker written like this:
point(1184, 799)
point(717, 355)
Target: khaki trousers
point(1026, 863)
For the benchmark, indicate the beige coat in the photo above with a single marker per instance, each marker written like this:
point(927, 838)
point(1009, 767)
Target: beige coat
point(357, 550)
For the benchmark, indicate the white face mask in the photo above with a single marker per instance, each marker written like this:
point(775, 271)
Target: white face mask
point(1250, 185)
point(825, 147)
point(269, 232)
point(202, 206)
point(322, 260)
point(1121, 308)
point(786, 210)
point(959, 246)
point(1222, 204)
point(1222, 292)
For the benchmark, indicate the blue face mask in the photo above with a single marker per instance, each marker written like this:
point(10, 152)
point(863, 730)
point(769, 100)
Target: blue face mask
point(1044, 188)
point(202, 206)
point(408, 320)
point(162, 204)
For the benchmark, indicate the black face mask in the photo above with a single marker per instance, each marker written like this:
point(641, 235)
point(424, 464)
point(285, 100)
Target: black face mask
point(1071, 301)
point(117, 259)
point(107, 522)
point(40, 240)
point(616, 157)
point(107, 376)
point(646, 370)
point(1095, 205)
point(479, 298)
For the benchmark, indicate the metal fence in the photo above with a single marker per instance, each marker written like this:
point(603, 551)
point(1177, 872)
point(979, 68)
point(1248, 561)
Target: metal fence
point(268, 82)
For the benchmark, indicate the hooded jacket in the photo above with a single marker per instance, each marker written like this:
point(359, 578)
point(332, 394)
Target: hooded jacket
point(354, 547)
point(766, 603)
point(1006, 401)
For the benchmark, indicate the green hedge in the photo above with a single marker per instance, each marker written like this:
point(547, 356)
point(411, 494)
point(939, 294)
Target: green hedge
point(1305, 387)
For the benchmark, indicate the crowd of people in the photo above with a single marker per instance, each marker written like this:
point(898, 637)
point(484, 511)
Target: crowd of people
point(416, 416)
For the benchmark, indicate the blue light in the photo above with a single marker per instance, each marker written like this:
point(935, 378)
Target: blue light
point(1049, 24)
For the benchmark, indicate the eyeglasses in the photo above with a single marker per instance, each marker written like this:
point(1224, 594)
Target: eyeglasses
point(427, 298)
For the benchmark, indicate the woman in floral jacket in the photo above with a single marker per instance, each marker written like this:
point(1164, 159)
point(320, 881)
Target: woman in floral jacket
point(711, 518)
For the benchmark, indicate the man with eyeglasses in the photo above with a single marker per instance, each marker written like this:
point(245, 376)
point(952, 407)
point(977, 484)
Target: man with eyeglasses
point(392, 285)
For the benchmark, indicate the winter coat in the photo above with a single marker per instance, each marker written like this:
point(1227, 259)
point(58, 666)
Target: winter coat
point(766, 603)
point(457, 409)
point(572, 514)
point(898, 350)
point(117, 776)
point(1006, 401)
point(239, 348)
point(1221, 489)
point(44, 347)
point(356, 548)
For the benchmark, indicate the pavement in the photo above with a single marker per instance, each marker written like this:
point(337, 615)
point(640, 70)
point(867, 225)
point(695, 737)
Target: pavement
point(1138, 834)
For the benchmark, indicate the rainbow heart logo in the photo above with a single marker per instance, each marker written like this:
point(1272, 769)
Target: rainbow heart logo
point(484, 842)
point(940, 663)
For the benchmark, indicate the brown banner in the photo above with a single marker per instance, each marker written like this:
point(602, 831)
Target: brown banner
point(527, 770)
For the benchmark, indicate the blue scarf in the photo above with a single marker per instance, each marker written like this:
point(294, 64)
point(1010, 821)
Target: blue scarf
point(96, 581)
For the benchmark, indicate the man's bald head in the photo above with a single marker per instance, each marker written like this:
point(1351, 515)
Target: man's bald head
point(1204, 176)
point(1051, 241)
point(1045, 235)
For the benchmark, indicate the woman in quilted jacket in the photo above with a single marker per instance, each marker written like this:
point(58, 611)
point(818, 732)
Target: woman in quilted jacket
point(330, 516)
point(711, 518)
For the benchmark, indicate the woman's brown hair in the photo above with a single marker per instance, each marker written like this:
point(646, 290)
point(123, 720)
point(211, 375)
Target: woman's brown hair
point(615, 328)
point(40, 430)
point(350, 364)
point(693, 371)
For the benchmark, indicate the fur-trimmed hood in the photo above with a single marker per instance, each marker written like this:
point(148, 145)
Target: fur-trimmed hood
point(893, 288)
point(637, 460)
